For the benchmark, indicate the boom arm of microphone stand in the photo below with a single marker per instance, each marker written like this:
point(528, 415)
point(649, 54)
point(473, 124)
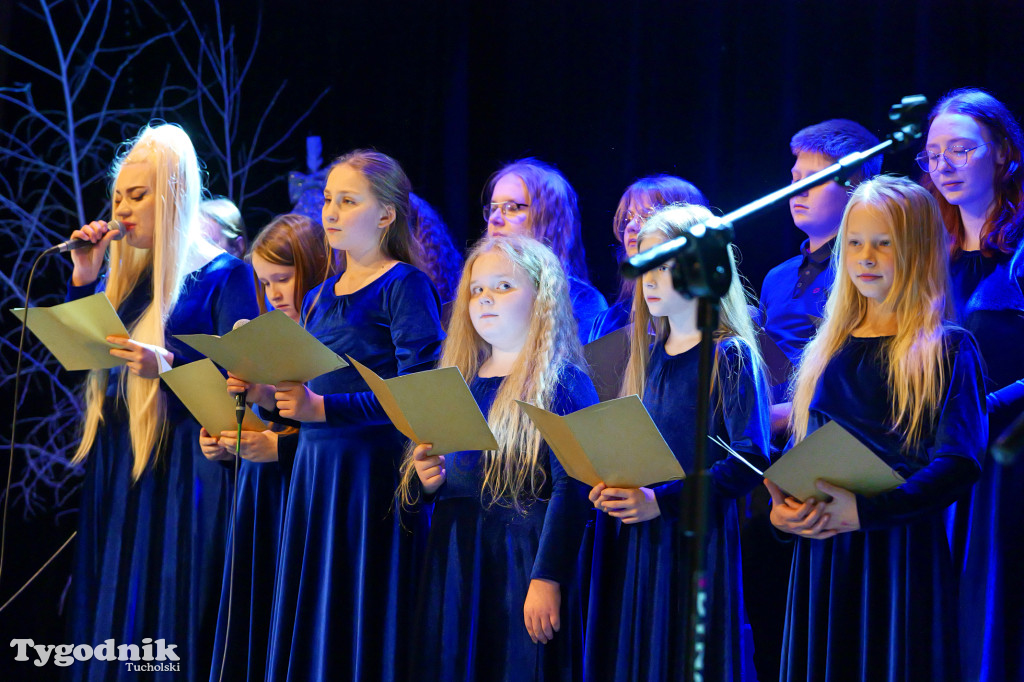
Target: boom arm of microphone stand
point(839, 172)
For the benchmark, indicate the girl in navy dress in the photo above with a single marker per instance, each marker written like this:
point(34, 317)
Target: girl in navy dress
point(289, 258)
point(154, 512)
point(872, 591)
point(533, 198)
point(343, 589)
point(494, 598)
point(634, 619)
point(638, 203)
point(973, 161)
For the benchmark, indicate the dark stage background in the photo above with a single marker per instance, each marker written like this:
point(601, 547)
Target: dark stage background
point(607, 91)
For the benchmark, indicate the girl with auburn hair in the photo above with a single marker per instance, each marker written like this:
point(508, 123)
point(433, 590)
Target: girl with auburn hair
point(506, 524)
point(289, 258)
point(973, 165)
point(638, 203)
point(342, 592)
point(872, 592)
point(532, 198)
point(154, 512)
point(638, 547)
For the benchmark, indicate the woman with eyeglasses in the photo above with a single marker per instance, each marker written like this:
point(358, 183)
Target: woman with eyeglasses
point(638, 203)
point(972, 162)
point(533, 198)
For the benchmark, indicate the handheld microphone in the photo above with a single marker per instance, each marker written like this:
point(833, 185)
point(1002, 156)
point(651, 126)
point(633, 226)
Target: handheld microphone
point(240, 398)
point(70, 245)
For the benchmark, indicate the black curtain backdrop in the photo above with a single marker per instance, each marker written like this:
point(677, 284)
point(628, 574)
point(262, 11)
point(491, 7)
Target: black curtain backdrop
point(607, 91)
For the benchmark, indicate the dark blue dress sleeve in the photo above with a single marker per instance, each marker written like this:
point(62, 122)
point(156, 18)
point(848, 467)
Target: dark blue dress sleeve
point(741, 402)
point(568, 509)
point(961, 435)
point(75, 293)
point(414, 310)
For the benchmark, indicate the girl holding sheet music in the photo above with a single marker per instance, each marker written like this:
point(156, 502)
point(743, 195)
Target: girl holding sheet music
point(154, 512)
point(495, 601)
point(289, 258)
point(872, 592)
point(635, 623)
point(342, 593)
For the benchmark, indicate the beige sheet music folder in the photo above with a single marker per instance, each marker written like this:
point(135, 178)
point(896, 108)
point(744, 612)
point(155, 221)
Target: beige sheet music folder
point(268, 350)
point(203, 390)
point(835, 455)
point(615, 441)
point(76, 331)
point(435, 406)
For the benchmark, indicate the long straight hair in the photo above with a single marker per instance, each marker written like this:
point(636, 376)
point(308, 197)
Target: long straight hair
point(513, 474)
point(293, 240)
point(919, 297)
point(735, 323)
point(176, 237)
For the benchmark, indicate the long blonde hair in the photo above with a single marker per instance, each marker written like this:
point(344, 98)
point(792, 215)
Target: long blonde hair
point(513, 476)
point(176, 235)
point(919, 297)
point(734, 323)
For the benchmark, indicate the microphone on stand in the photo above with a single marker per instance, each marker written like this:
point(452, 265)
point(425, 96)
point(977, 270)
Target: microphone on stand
point(70, 245)
point(240, 398)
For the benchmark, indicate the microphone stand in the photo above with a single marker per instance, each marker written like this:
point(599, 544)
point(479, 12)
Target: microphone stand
point(703, 270)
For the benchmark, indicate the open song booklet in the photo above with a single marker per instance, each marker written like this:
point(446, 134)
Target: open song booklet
point(831, 454)
point(268, 350)
point(203, 390)
point(435, 406)
point(76, 332)
point(615, 442)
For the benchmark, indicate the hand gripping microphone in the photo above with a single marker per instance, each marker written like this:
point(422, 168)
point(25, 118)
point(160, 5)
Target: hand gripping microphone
point(70, 245)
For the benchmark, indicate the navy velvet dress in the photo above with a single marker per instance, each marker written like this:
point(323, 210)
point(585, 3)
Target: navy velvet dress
point(587, 303)
point(149, 554)
point(480, 561)
point(614, 317)
point(343, 594)
point(986, 529)
point(879, 604)
point(258, 516)
point(639, 570)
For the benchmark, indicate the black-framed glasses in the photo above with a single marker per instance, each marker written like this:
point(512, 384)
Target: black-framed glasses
point(509, 209)
point(956, 156)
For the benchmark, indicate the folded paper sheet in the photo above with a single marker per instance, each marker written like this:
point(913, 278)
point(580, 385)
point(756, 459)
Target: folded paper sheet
point(203, 390)
point(76, 331)
point(615, 441)
point(835, 455)
point(268, 350)
point(434, 407)
point(606, 361)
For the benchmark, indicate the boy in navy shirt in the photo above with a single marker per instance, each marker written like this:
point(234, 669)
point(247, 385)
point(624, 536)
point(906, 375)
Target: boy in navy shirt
point(793, 299)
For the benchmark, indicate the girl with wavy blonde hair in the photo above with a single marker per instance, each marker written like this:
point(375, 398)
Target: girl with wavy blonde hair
point(506, 524)
point(876, 583)
point(638, 546)
point(154, 511)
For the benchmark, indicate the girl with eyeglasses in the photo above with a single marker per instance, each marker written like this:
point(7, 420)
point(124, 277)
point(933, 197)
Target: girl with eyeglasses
point(634, 621)
point(533, 198)
point(973, 164)
point(638, 203)
point(872, 587)
point(497, 599)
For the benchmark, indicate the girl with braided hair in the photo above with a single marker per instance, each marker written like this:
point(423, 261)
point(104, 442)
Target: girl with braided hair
point(506, 524)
